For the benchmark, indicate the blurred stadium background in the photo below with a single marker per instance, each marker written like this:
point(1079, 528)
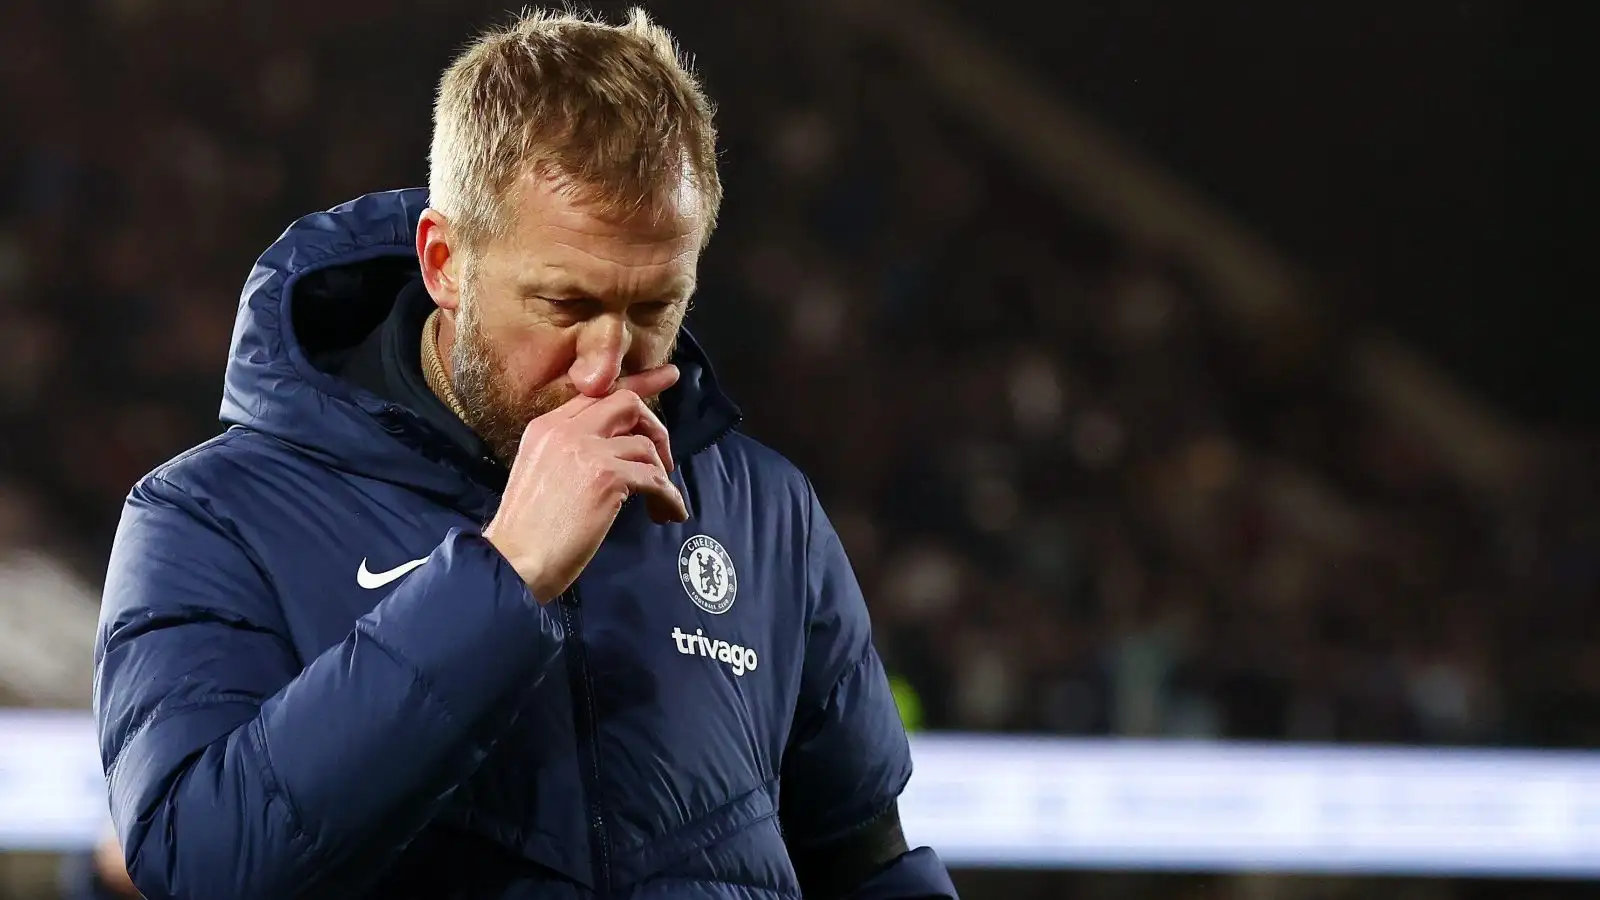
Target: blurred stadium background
point(1203, 392)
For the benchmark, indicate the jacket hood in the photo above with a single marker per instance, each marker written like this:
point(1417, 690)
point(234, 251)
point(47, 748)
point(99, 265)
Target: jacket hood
point(323, 286)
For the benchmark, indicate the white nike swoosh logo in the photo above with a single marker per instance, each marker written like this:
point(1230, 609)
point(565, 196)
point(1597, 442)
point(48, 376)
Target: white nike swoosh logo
point(375, 580)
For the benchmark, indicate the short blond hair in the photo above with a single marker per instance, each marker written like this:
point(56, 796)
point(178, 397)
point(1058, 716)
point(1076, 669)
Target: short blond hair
point(613, 111)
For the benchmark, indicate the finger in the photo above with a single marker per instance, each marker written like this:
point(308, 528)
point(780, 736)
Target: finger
point(625, 413)
point(636, 448)
point(571, 408)
point(663, 513)
point(662, 498)
point(650, 382)
point(645, 384)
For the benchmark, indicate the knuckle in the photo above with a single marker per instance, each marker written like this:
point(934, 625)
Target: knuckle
point(539, 425)
point(605, 477)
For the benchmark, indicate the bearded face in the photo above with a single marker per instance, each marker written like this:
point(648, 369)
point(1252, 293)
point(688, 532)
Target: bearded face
point(563, 301)
point(498, 400)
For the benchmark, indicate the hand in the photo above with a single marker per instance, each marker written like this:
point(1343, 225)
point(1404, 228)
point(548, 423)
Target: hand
point(575, 467)
point(111, 870)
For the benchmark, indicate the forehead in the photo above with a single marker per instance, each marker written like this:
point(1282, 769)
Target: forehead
point(554, 227)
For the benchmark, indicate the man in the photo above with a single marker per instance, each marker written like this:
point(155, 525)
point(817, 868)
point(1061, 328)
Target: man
point(481, 595)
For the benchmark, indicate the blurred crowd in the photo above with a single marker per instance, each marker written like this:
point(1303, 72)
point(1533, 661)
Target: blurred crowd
point(1079, 502)
point(1076, 502)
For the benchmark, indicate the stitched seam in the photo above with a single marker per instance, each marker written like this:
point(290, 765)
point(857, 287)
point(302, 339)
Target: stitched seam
point(765, 889)
point(833, 692)
point(721, 809)
point(275, 791)
point(221, 440)
point(162, 713)
point(805, 574)
point(417, 675)
point(260, 567)
point(850, 672)
point(429, 695)
point(271, 784)
point(863, 825)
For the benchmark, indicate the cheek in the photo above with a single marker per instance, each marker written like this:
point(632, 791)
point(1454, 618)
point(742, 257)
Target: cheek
point(652, 346)
point(536, 356)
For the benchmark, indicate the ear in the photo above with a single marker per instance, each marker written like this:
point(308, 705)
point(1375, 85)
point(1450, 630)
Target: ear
point(440, 258)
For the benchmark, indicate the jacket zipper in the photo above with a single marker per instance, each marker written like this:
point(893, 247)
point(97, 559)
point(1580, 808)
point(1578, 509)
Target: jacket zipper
point(589, 734)
point(587, 722)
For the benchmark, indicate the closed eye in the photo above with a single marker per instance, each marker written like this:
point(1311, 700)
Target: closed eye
point(571, 307)
point(581, 308)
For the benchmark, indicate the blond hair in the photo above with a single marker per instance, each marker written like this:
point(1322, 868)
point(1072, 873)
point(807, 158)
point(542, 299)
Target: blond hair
point(614, 112)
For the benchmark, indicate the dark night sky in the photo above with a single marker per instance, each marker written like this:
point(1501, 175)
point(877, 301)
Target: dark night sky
point(1433, 165)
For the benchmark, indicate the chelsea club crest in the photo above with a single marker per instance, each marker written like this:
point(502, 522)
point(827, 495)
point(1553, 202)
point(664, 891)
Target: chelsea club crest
point(706, 571)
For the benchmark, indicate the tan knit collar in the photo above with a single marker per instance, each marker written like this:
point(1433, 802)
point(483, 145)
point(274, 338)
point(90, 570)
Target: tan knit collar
point(433, 369)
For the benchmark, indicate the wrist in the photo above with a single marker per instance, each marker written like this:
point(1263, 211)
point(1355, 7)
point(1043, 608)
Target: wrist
point(527, 568)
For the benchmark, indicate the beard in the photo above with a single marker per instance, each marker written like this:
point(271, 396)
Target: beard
point(497, 409)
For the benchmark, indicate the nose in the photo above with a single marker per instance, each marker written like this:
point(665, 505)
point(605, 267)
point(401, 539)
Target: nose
point(602, 344)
